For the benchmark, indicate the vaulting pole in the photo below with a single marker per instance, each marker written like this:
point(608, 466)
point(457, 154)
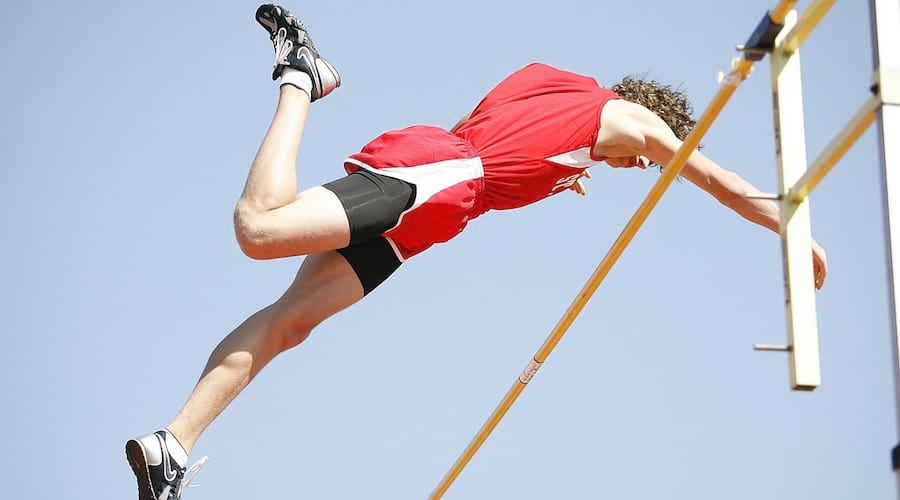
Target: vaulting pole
point(741, 69)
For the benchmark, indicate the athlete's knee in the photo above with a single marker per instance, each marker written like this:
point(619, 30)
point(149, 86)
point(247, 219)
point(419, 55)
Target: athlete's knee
point(293, 338)
point(292, 327)
point(292, 334)
point(250, 231)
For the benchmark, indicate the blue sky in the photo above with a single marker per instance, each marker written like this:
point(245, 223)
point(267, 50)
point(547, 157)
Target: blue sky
point(125, 138)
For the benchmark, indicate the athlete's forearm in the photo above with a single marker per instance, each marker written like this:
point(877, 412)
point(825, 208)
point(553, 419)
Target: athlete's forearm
point(762, 212)
point(731, 189)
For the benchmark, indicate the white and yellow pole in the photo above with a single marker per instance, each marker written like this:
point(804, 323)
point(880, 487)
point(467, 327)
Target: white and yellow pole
point(885, 17)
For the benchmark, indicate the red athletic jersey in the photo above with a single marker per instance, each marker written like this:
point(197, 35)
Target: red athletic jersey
point(534, 133)
point(529, 138)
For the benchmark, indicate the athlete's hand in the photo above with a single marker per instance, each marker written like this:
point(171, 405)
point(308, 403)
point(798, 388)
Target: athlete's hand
point(820, 266)
point(641, 162)
point(578, 187)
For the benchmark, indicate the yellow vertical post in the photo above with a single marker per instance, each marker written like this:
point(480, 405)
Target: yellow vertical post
point(790, 147)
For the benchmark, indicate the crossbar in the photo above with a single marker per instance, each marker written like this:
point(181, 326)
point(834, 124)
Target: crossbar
point(808, 21)
point(780, 12)
point(828, 158)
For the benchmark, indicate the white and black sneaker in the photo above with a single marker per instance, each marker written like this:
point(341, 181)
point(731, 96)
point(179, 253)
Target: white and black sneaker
point(295, 49)
point(158, 463)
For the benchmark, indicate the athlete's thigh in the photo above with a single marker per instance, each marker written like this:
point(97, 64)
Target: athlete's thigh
point(314, 222)
point(324, 285)
point(353, 209)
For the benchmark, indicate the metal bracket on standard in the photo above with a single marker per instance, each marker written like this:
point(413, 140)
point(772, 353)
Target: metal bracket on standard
point(762, 41)
point(763, 196)
point(772, 347)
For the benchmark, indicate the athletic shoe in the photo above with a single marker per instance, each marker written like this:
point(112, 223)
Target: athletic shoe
point(295, 49)
point(159, 475)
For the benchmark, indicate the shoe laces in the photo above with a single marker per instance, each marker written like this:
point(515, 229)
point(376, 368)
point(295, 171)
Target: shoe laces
point(191, 473)
point(283, 46)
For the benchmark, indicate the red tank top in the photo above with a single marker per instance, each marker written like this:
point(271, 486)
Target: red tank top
point(534, 133)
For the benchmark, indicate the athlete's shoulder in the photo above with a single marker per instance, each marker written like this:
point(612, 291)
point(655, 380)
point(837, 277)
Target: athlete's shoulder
point(628, 128)
point(623, 128)
point(541, 79)
point(546, 71)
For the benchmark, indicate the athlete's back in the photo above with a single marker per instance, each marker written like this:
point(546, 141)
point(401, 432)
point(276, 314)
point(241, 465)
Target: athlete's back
point(534, 132)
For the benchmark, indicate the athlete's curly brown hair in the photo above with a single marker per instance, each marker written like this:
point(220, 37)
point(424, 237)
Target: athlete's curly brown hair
point(667, 102)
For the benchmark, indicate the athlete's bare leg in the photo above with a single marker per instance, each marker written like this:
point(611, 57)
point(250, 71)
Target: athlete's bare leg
point(324, 285)
point(271, 219)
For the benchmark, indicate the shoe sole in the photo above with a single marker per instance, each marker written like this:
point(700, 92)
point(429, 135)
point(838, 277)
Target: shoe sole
point(135, 455)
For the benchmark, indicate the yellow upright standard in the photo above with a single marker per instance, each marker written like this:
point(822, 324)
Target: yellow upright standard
point(796, 232)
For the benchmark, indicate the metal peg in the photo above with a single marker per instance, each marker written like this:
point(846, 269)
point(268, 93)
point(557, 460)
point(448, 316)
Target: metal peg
point(772, 347)
point(763, 196)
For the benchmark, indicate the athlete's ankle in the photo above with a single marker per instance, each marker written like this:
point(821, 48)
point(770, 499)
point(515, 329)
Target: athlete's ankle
point(179, 440)
point(297, 79)
point(288, 90)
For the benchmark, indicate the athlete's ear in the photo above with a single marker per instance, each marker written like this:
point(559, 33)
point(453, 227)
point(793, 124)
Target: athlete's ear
point(628, 162)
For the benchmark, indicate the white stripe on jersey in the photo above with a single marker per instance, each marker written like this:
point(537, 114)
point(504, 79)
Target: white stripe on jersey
point(580, 158)
point(431, 178)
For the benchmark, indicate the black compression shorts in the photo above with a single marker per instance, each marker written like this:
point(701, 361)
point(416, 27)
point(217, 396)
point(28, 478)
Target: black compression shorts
point(373, 204)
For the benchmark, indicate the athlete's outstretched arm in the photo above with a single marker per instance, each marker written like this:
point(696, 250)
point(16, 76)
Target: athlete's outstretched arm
point(727, 187)
point(641, 132)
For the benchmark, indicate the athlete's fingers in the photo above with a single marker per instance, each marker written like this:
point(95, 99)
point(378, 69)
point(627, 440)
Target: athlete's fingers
point(820, 273)
point(820, 266)
point(587, 174)
point(578, 187)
